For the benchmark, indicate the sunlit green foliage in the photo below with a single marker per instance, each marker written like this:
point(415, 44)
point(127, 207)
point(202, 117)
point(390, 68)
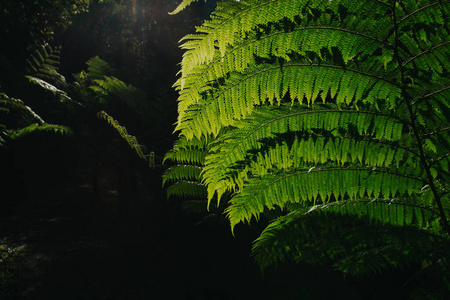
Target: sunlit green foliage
point(336, 115)
point(182, 6)
point(184, 176)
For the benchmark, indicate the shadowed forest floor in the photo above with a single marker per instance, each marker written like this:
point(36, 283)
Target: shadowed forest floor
point(79, 243)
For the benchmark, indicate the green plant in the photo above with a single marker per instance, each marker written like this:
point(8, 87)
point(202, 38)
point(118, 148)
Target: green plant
point(18, 120)
point(332, 119)
point(130, 139)
point(184, 176)
point(11, 261)
point(182, 6)
point(92, 91)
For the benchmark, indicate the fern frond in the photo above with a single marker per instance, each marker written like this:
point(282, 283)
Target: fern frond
point(182, 6)
point(317, 150)
point(238, 97)
point(392, 212)
point(316, 185)
point(130, 139)
point(188, 151)
point(38, 128)
point(253, 78)
point(18, 120)
point(353, 247)
point(433, 113)
point(195, 206)
point(282, 43)
point(42, 68)
point(193, 156)
point(182, 172)
point(232, 20)
point(14, 114)
point(185, 175)
point(43, 59)
point(184, 188)
point(98, 68)
point(63, 96)
point(266, 123)
point(428, 43)
point(431, 282)
point(113, 86)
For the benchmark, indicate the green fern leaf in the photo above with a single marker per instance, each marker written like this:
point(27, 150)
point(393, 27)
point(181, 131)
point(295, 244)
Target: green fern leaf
point(335, 111)
point(131, 140)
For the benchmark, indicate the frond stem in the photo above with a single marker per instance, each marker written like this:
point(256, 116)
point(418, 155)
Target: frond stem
point(224, 20)
point(306, 65)
point(325, 111)
point(376, 170)
point(430, 94)
point(440, 158)
point(391, 202)
point(336, 169)
point(211, 65)
point(424, 52)
point(437, 131)
point(419, 10)
point(313, 112)
point(371, 140)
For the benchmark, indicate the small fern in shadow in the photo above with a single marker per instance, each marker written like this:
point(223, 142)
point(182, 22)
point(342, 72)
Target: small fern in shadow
point(91, 93)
